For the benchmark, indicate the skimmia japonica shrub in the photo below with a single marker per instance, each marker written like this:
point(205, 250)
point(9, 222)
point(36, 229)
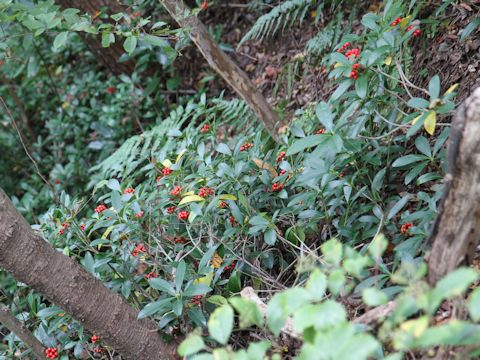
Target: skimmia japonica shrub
point(183, 217)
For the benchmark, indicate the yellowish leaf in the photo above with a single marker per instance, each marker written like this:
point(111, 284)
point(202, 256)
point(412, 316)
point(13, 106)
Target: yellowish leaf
point(179, 157)
point(337, 65)
point(451, 89)
point(206, 280)
point(188, 193)
point(416, 119)
point(388, 60)
point(216, 261)
point(415, 327)
point(166, 163)
point(107, 232)
point(190, 198)
point(228, 197)
point(265, 166)
point(430, 122)
point(405, 21)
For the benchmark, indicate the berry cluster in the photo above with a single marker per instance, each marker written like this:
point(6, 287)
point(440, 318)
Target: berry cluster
point(138, 249)
point(343, 47)
point(65, 226)
point(397, 21)
point(223, 205)
point(100, 208)
point(177, 190)
point(82, 227)
point(276, 187)
point(281, 156)
point(171, 209)
point(111, 90)
point(166, 171)
point(232, 220)
point(230, 267)
point(246, 146)
point(196, 299)
point(354, 72)
point(205, 128)
point(151, 275)
point(51, 353)
point(205, 191)
point(320, 131)
point(416, 33)
point(180, 240)
point(97, 350)
point(95, 338)
point(405, 227)
point(129, 190)
point(139, 215)
point(183, 215)
point(355, 52)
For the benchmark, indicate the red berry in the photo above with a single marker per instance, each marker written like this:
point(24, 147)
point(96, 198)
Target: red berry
point(129, 190)
point(138, 249)
point(205, 191)
point(205, 128)
point(397, 21)
point(82, 227)
point(166, 171)
point(320, 131)
point(111, 90)
point(232, 220)
point(183, 215)
point(277, 187)
point(151, 275)
point(204, 5)
point(136, 14)
point(179, 240)
point(57, 181)
point(417, 32)
point(171, 209)
point(283, 171)
point(281, 156)
point(140, 214)
point(51, 353)
point(196, 299)
point(158, 178)
point(97, 350)
point(95, 338)
point(223, 205)
point(176, 191)
point(100, 208)
point(246, 146)
point(405, 227)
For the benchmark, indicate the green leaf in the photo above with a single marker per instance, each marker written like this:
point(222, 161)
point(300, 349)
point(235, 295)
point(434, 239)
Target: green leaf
point(421, 143)
point(130, 44)
point(155, 40)
point(341, 89)
point(470, 28)
point(223, 149)
point(370, 21)
point(108, 38)
point(434, 87)
point(304, 143)
point(60, 40)
point(332, 250)
point(217, 300)
point(180, 275)
point(474, 305)
point(378, 246)
point(336, 281)
point(317, 285)
point(320, 316)
point(249, 312)
point(407, 160)
point(157, 306)
point(191, 345)
point(324, 115)
point(270, 237)
point(398, 206)
point(418, 103)
point(162, 285)
point(361, 86)
point(220, 324)
point(113, 184)
point(374, 297)
point(282, 305)
point(196, 289)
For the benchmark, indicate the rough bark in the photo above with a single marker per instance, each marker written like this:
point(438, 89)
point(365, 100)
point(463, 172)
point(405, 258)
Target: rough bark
point(457, 228)
point(224, 65)
point(16, 326)
point(110, 55)
point(31, 260)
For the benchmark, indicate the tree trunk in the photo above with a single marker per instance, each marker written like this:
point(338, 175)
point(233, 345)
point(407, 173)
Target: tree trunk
point(16, 326)
point(457, 228)
point(223, 65)
point(110, 55)
point(32, 260)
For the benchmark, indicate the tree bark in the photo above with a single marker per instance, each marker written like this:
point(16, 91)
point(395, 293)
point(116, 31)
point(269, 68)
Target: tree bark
point(110, 55)
point(16, 326)
point(457, 228)
point(32, 260)
point(224, 65)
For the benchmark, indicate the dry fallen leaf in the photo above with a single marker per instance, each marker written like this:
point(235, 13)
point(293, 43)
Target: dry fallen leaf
point(265, 166)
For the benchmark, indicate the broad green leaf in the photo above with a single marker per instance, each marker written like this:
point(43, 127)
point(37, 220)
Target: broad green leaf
point(320, 316)
point(316, 285)
point(130, 44)
point(270, 237)
point(220, 324)
point(421, 143)
point(162, 285)
point(324, 115)
point(374, 297)
point(113, 184)
point(418, 103)
point(407, 160)
point(60, 40)
point(249, 314)
point(223, 149)
point(304, 143)
point(332, 250)
point(474, 305)
point(155, 307)
point(282, 305)
point(378, 246)
point(434, 87)
point(398, 206)
point(361, 86)
point(180, 274)
point(341, 89)
point(191, 345)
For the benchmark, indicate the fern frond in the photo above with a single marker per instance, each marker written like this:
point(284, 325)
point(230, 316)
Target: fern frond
point(282, 16)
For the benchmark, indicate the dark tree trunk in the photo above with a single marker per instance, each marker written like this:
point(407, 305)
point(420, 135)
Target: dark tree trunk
point(110, 55)
point(31, 260)
point(457, 228)
point(224, 65)
point(17, 327)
